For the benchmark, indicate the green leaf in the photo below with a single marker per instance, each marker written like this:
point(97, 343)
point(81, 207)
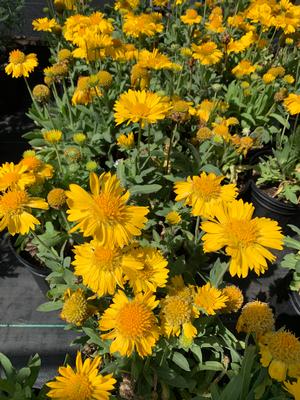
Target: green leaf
point(180, 360)
point(144, 189)
point(281, 120)
point(95, 338)
point(50, 306)
point(6, 364)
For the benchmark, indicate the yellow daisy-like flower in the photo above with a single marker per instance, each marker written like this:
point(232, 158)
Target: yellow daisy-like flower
point(173, 218)
point(245, 239)
point(235, 299)
point(153, 60)
point(140, 106)
point(44, 24)
point(64, 55)
point(292, 103)
point(53, 136)
point(177, 311)
point(208, 299)
point(105, 79)
point(293, 388)
point(82, 383)
point(132, 324)
point(57, 198)
point(142, 25)
point(191, 17)
point(85, 91)
point(15, 208)
point(40, 170)
point(154, 271)
point(280, 353)
point(243, 68)
point(139, 77)
point(76, 309)
point(126, 141)
point(15, 177)
point(104, 213)
point(256, 317)
point(21, 64)
point(207, 53)
point(204, 192)
point(102, 267)
point(79, 138)
point(289, 79)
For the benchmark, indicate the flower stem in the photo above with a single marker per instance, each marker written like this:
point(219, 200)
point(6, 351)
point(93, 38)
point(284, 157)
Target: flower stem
point(197, 229)
point(170, 147)
point(139, 148)
point(45, 245)
point(68, 104)
point(58, 158)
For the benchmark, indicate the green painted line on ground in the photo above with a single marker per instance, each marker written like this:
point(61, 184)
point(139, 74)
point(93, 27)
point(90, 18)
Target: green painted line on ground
point(32, 326)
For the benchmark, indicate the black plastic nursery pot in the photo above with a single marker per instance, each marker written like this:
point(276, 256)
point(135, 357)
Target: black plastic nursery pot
point(39, 272)
point(269, 207)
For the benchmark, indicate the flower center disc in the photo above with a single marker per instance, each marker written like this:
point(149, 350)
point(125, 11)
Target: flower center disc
point(17, 57)
point(12, 202)
point(79, 388)
point(134, 320)
point(242, 233)
point(107, 208)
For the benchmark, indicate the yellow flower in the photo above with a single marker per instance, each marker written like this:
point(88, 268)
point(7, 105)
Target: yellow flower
point(280, 353)
point(104, 213)
point(21, 64)
point(91, 165)
point(126, 142)
point(245, 239)
point(15, 177)
point(177, 311)
point(64, 4)
point(102, 267)
point(289, 79)
point(204, 193)
point(57, 198)
point(64, 55)
point(207, 53)
point(191, 17)
point(186, 52)
point(153, 60)
point(85, 92)
point(243, 68)
point(79, 138)
point(140, 106)
point(154, 271)
point(215, 21)
point(256, 317)
point(203, 110)
point(56, 73)
point(40, 170)
point(204, 133)
point(82, 383)
point(41, 93)
point(126, 5)
point(142, 24)
point(76, 309)
point(44, 24)
point(208, 299)
point(139, 77)
point(132, 324)
point(289, 40)
point(15, 208)
point(105, 79)
point(238, 46)
point(173, 218)
point(235, 298)
point(268, 78)
point(53, 136)
point(293, 388)
point(292, 103)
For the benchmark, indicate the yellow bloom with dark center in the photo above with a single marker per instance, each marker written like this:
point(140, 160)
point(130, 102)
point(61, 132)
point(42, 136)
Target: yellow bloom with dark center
point(204, 192)
point(126, 141)
point(53, 136)
point(81, 383)
point(44, 24)
point(105, 79)
point(280, 353)
point(209, 299)
point(235, 299)
point(243, 68)
point(207, 53)
point(15, 177)
point(104, 212)
point(173, 218)
point(246, 240)
point(142, 25)
point(79, 138)
point(293, 388)
point(15, 211)
point(132, 324)
point(57, 198)
point(41, 93)
point(191, 17)
point(256, 317)
point(154, 271)
point(140, 106)
point(177, 311)
point(76, 309)
point(21, 64)
point(292, 103)
point(102, 267)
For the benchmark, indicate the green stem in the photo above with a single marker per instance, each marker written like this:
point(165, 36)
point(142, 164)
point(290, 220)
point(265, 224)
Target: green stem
point(138, 147)
point(33, 100)
point(58, 158)
point(170, 147)
point(68, 104)
point(45, 245)
point(197, 229)
point(49, 116)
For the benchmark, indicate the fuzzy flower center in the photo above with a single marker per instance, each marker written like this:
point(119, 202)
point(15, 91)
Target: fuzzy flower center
point(206, 189)
point(107, 208)
point(141, 109)
point(10, 178)
point(177, 310)
point(12, 202)
point(17, 57)
point(134, 320)
point(242, 233)
point(104, 258)
point(75, 309)
point(284, 346)
point(207, 49)
point(79, 388)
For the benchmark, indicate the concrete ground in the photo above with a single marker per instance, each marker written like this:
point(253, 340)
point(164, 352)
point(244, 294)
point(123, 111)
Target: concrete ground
point(20, 334)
